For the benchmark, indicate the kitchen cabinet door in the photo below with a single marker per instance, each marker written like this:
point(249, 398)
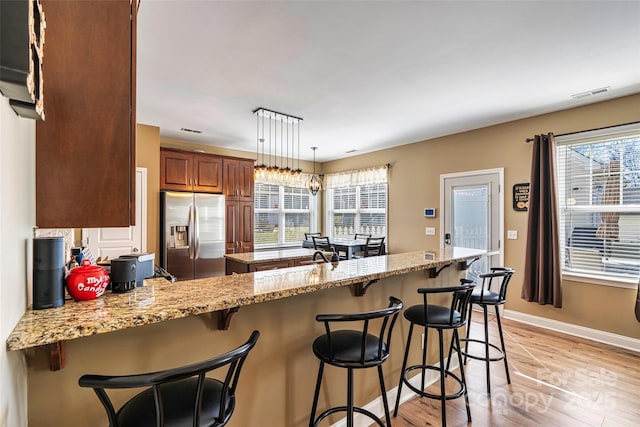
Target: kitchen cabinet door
point(207, 173)
point(238, 179)
point(176, 170)
point(246, 226)
point(85, 149)
point(239, 231)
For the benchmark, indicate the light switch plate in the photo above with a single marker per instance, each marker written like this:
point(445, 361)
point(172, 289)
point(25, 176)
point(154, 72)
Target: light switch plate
point(430, 231)
point(512, 234)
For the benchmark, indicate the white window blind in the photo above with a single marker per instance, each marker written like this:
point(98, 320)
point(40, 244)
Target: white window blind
point(599, 199)
point(357, 202)
point(282, 215)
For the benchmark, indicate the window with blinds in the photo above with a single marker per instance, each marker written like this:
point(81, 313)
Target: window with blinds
point(282, 215)
point(358, 209)
point(599, 198)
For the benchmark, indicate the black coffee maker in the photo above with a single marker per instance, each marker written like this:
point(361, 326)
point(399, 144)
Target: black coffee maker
point(123, 274)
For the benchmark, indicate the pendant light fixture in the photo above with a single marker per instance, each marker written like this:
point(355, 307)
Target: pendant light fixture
point(315, 183)
point(279, 131)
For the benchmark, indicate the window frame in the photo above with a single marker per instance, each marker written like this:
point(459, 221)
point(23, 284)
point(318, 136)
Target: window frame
point(330, 211)
point(596, 136)
point(281, 211)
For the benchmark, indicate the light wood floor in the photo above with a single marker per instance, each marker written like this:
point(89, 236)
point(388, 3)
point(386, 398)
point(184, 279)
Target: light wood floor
point(556, 380)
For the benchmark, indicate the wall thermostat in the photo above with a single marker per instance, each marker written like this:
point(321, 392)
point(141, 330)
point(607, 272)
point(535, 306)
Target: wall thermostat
point(430, 212)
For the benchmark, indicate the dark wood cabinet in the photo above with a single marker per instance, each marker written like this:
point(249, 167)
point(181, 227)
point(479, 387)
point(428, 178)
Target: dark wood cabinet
point(85, 150)
point(185, 171)
point(238, 191)
point(238, 179)
point(239, 231)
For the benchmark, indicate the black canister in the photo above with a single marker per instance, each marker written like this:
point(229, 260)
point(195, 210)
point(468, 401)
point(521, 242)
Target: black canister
point(48, 272)
point(123, 274)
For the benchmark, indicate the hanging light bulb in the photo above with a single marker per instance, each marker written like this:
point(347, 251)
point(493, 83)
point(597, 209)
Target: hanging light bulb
point(314, 184)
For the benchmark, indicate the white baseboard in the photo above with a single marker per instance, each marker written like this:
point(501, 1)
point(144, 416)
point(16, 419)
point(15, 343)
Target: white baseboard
point(376, 406)
point(575, 330)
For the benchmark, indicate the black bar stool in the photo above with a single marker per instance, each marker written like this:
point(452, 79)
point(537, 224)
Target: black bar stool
point(354, 349)
point(440, 318)
point(485, 296)
point(181, 396)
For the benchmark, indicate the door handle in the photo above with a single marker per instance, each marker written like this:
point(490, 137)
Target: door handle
point(196, 232)
point(447, 238)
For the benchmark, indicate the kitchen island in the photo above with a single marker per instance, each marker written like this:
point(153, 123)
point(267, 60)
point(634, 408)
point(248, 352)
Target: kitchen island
point(165, 324)
point(267, 260)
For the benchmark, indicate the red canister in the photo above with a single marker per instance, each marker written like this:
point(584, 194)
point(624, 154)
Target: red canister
point(87, 281)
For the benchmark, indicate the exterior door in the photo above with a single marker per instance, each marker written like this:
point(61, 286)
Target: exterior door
point(472, 215)
point(116, 241)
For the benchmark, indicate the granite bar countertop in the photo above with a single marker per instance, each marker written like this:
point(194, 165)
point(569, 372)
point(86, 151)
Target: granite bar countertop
point(159, 300)
point(273, 255)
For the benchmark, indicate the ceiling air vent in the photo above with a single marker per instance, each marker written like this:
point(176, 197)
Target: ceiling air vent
point(591, 92)
point(190, 130)
point(350, 151)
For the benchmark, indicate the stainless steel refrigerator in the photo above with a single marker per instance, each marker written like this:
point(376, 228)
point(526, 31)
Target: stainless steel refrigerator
point(192, 237)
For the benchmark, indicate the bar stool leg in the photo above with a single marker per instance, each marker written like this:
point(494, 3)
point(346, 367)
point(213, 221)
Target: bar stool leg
point(462, 376)
point(486, 348)
point(349, 397)
point(316, 394)
point(424, 359)
point(443, 398)
point(383, 391)
point(466, 343)
point(504, 350)
point(402, 373)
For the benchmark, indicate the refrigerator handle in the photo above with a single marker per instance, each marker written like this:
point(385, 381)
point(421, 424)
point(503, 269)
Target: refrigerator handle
point(196, 232)
point(191, 232)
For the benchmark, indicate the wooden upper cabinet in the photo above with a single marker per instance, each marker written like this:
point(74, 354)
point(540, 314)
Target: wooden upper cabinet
point(85, 149)
point(176, 170)
point(238, 179)
point(207, 171)
point(185, 171)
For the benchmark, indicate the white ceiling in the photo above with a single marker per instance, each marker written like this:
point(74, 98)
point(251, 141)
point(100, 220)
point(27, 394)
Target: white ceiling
point(365, 75)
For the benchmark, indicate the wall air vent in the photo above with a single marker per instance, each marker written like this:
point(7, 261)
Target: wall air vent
point(190, 130)
point(591, 92)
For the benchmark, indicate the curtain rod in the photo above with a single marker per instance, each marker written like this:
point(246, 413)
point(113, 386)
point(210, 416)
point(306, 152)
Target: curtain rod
point(589, 130)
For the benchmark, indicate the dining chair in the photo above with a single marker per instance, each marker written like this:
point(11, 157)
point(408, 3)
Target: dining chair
point(307, 236)
point(321, 243)
point(374, 247)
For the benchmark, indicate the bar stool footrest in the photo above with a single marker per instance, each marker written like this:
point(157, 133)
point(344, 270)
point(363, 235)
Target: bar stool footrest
point(423, 393)
point(359, 410)
point(500, 355)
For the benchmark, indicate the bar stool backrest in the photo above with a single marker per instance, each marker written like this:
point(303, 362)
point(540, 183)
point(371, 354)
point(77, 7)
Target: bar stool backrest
point(389, 316)
point(232, 360)
point(497, 274)
point(459, 303)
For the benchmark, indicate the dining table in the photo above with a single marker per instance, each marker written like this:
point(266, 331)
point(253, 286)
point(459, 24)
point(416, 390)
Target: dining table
point(349, 246)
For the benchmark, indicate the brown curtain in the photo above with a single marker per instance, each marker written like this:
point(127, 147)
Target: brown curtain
point(542, 278)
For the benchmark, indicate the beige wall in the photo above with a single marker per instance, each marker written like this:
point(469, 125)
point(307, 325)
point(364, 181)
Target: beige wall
point(414, 184)
point(17, 219)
